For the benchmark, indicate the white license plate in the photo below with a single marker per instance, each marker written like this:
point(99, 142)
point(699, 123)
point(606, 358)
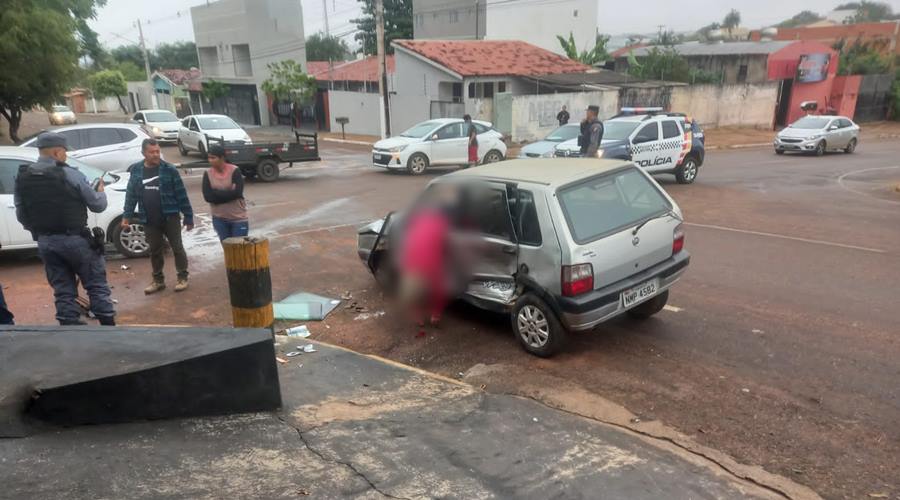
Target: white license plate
point(640, 292)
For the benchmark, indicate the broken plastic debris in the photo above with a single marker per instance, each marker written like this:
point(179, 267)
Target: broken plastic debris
point(280, 360)
point(298, 331)
point(293, 353)
point(745, 390)
point(755, 330)
point(535, 419)
point(124, 267)
point(309, 348)
point(115, 301)
point(304, 306)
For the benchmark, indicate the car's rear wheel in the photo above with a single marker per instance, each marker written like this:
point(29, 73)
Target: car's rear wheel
point(267, 170)
point(651, 307)
point(536, 326)
point(130, 241)
point(686, 173)
point(820, 148)
point(493, 156)
point(181, 148)
point(851, 147)
point(417, 164)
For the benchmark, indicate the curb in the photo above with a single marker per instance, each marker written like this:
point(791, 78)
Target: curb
point(347, 141)
point(740, 146)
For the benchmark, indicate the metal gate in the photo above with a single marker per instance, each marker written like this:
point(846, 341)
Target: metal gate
point(873, 99)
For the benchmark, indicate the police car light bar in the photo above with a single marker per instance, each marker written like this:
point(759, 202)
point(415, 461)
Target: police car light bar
point(640, 111)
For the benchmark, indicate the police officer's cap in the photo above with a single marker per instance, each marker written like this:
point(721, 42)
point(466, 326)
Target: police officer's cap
point(51, 140)
point(594, 108)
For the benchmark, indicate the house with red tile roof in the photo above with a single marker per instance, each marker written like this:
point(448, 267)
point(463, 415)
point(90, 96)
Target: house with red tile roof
point(355, 76)
point(449, 78)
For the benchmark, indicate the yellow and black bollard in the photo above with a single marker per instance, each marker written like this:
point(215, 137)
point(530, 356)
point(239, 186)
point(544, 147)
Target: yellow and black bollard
point(249, 281)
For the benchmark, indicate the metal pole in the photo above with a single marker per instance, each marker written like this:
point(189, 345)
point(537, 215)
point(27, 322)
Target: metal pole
point(327, 39)
point(153, 98)
point(382, 66)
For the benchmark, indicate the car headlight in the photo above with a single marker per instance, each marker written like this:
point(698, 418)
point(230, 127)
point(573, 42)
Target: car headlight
point(599, 153)
point(397, 149)
point(812, 137)
point(156, 130)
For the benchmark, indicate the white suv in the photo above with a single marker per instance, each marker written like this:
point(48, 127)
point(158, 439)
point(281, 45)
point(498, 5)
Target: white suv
point(437, 143)
point(107, 146)
point(196, 129)
point(129, 242)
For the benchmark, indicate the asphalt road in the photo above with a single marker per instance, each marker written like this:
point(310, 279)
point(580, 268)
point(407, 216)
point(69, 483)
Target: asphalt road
point(781, 348)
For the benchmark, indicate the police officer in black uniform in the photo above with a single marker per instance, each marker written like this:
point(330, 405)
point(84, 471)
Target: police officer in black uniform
point(52, 200)
point(591, 133)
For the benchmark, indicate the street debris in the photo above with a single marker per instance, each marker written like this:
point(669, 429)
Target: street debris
point(534, 419)
point(304, 306)
point(745, 390)
point(635, 420)
point(293, 353)
point(308, 348)
point(125, 268)
point(420, 334)
point(299, 365)
point(346, 296)
point(757, 331)
point(280, 360)
point(366, 315)
point(115, 301)
point(297, 331)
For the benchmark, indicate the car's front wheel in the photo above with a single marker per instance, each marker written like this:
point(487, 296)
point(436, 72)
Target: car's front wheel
point(493, 156)
point(417, 164)
point(851, 147)
point(686, 173)
point(130, 241)
point(181, 148)
point(820, 148)
point(779, 151)
point(536, 326)
point(201, 149)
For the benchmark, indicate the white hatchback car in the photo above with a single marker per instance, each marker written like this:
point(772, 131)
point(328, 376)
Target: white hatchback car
point(160, 124)
point(437, 143)
point(196, 129)
point(107, 146)
point(130, 241)
point(61, 115)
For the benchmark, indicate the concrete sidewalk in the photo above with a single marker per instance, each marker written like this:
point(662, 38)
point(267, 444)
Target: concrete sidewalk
point(358, 427)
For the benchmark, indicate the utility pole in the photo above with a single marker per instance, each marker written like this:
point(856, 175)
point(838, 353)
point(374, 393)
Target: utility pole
point(147, 64)
point(328, 40)
point(382, 67)
point(477, 14)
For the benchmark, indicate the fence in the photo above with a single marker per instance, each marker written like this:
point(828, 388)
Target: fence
point(873, 99)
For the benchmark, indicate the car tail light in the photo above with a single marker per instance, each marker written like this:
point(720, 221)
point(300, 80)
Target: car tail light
point(677, 240)
point(577, 279)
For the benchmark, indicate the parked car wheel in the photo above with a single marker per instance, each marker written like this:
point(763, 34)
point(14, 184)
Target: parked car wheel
point(536, 326)
point(779, 151)
point(686, 173)
point(201, 149)
point(820, 148)
point(417, 164)
point(181, 148)
point(493, 156)
point(651, 307)
point(130, 241)
point(268, 170)
point(850, 147)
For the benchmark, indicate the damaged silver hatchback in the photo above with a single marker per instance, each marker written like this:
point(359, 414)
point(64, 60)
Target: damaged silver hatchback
point(563, 245)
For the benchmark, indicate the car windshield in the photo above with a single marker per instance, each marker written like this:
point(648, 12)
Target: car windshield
point(216, 123)
point(60, 109)
point(623, 198)
point(811, 122)
point(92, 173)
point(161, 116)
point(563, 133)
point(420, 130)
point(618, 130)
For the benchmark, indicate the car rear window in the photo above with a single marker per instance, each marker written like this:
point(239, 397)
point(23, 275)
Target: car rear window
point(606, 204)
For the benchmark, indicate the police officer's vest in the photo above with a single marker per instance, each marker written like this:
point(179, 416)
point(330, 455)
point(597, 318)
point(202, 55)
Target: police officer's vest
point(52, 205)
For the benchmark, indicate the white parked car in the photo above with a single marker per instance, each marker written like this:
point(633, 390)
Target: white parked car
point(130, 241)
point(817, 134)
point(160, 124)
point(107, 146)
point(61, 115)
point(437, 143)
point(196, 129)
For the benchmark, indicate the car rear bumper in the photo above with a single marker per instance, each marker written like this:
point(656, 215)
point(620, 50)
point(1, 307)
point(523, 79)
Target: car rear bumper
point(588, 310)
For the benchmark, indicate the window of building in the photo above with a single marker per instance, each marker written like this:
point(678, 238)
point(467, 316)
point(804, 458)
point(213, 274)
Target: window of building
point(454, 16)
point(488, 91)
point(501, 87)
point(742, 74)
point(670, 129)
point(241, 55)
point(457, 92)
point(575, 13)
point(209, 60)
point(471, 91)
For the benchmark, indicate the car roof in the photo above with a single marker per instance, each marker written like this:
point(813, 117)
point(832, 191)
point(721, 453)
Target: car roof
point(207, 116)
point(546, 171)
point(21, 151)
point(153, 110)
point(131, 126)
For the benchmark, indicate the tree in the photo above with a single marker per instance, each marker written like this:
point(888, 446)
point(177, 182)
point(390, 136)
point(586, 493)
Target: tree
point(596, 55)
point(38, 53)
point(703, 33)
point(288, 82)
point(398, 25)
point(666, 38)
point(732, 20)
point(130, 71)
point(861, 59)
point(801, 19)
point(130, 53)
point(109, 83)
point(868, 11)
point(214, 89)
point(320, 47)
point(668, 65)
point(178, 55)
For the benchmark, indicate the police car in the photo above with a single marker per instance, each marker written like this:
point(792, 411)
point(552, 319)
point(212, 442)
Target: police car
point(658, 141)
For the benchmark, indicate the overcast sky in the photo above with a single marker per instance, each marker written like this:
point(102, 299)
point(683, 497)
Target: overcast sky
point(170, 21)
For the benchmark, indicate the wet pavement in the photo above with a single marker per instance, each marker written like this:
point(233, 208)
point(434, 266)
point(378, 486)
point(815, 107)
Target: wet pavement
point(780, 348)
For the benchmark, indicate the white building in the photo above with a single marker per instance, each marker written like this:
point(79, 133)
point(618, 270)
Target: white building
point(236, 40)
point(537, 23)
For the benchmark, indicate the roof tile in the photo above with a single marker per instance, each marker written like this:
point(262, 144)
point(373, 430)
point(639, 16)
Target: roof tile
point(492, 57)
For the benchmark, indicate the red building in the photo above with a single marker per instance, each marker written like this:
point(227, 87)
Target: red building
point(806, 71)
point(883, 36)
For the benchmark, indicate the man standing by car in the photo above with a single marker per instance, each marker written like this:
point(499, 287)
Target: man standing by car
point(591, 133)
point(157, 191)
point(563, 117)
point(52, 200)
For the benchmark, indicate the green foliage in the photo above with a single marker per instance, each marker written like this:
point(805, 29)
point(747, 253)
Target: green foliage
point(861, 59)
point(660, 64)
point(699, 76)
point(320, 47)
point(288, 82)
point(596, 55)
point(131, 53)
point(802, 18)
point(703, 33)
point(214, 89)
point(732, 20)
point(398, 25)
point(130, 71)
point(109, 83)
point(38, 53)
point(177, 55)
point(868, 11)
point(666, 38)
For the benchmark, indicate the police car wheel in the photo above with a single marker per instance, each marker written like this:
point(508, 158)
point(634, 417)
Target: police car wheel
point(686, 173)
point(131, 241)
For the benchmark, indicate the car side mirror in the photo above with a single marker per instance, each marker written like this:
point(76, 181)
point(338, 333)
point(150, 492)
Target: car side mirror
point(833, 127)
point(434, 137)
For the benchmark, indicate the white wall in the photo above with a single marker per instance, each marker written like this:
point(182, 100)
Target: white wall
point(361, 108)
point(416, 83)
point(534, 116)
point(540, 23)
point(728, 105)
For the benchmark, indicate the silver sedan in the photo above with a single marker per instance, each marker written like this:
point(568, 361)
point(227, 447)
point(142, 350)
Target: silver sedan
point(817, 134)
